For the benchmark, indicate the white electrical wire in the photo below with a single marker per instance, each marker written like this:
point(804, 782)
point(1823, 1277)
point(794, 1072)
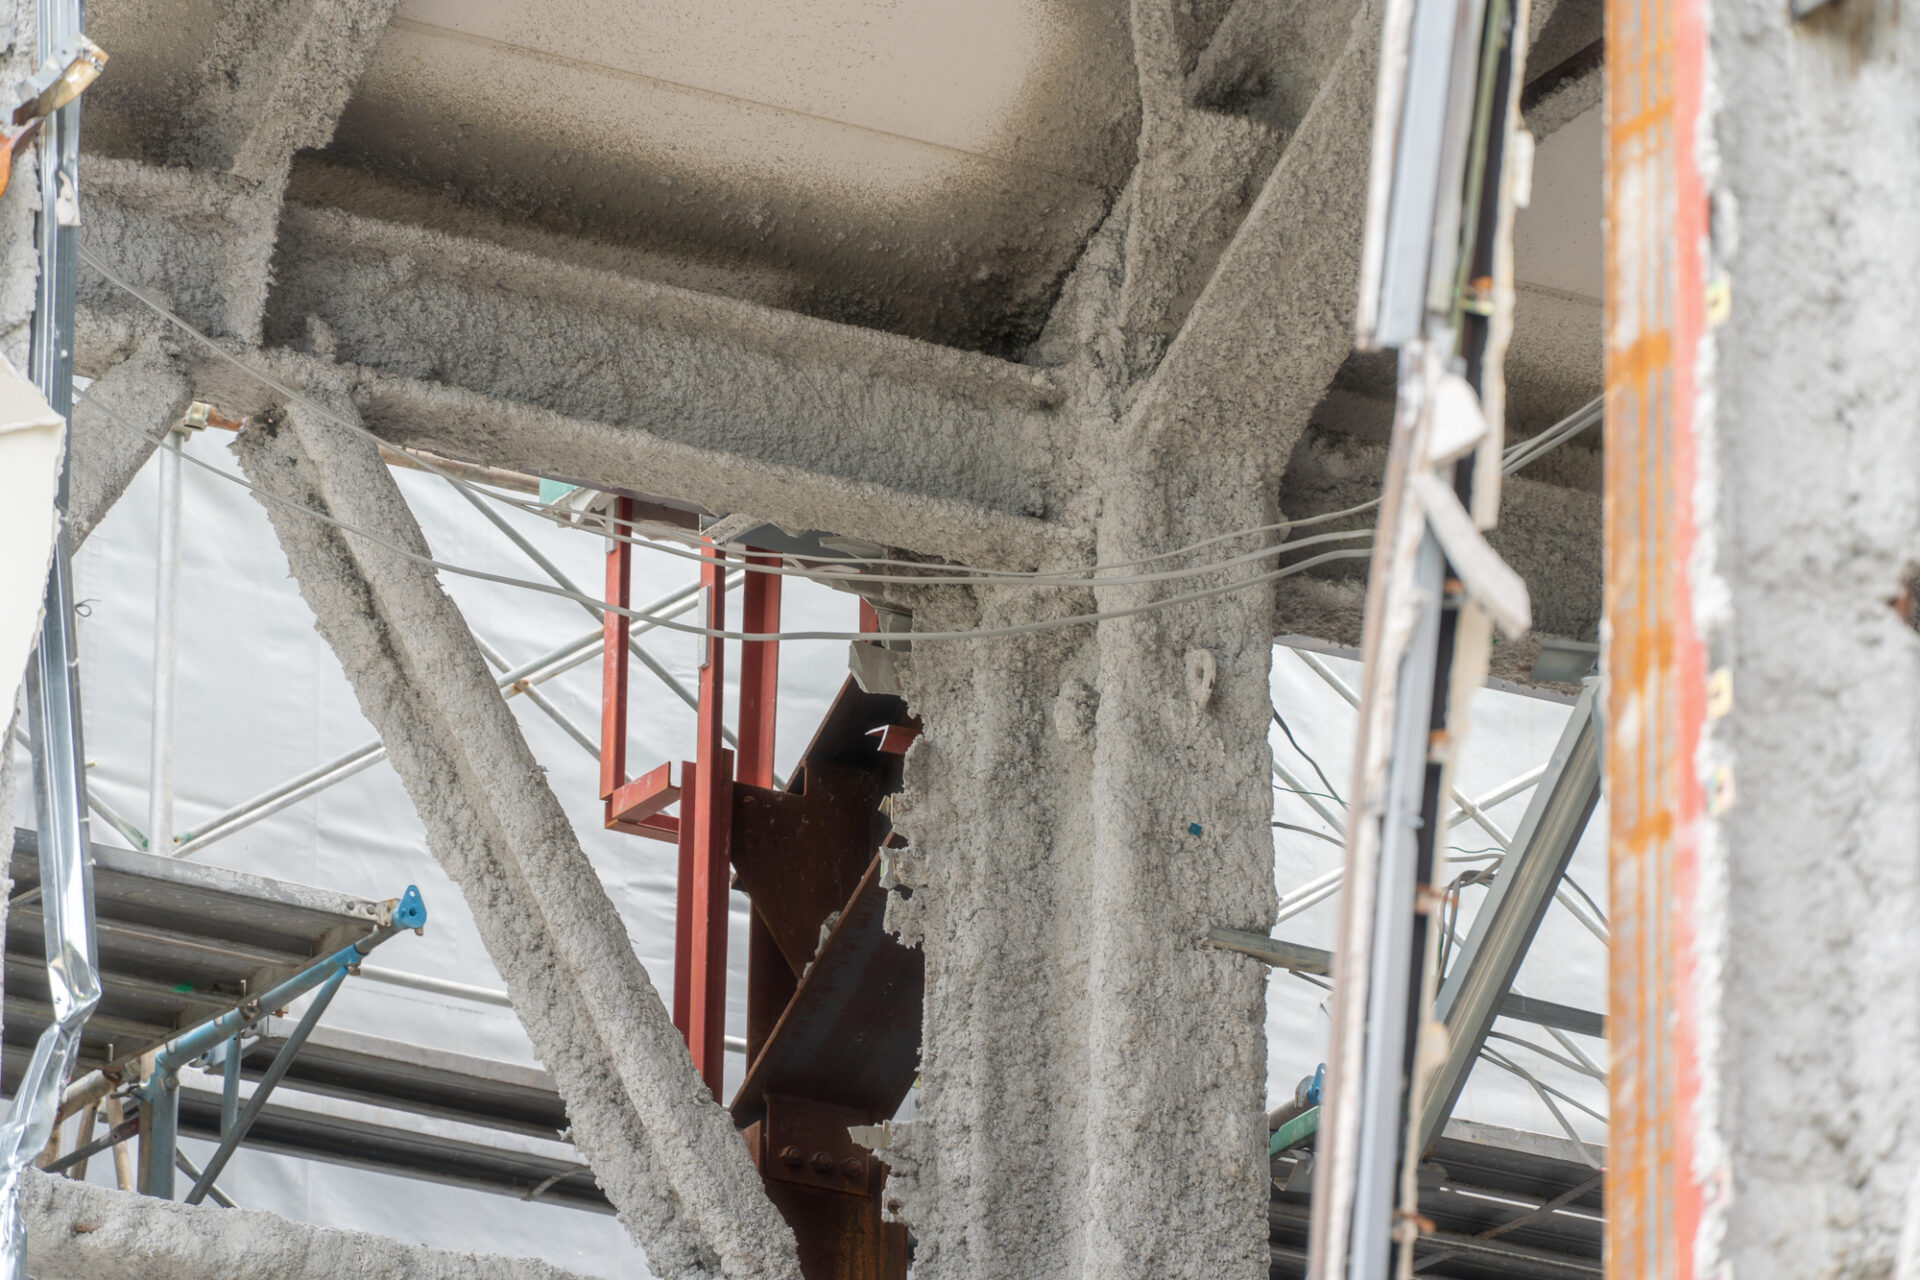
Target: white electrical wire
point(984, 633)
point(1513, 459)
point(1547, 1094)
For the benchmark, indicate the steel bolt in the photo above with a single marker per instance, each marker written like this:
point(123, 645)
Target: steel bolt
point(852, 1167)
point(790, 1156)
point(822, 1162)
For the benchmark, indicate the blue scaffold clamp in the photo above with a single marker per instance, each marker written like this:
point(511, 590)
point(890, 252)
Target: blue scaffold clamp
point(1308, 1092)
point(411, 910)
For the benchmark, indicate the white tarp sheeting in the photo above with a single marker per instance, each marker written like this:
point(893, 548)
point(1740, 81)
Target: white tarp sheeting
point(31, 435)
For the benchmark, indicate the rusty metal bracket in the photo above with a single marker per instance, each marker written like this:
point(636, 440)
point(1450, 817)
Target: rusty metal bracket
point(807, 1142)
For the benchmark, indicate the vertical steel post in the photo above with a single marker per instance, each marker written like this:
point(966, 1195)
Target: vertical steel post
point(769, 980)
point(231, 1138)
point(230, 1086)
point(759, 672)
point(1656, 226)
point(712, 811)
point(683, 905)
point(613, 677)
point(166, 638)
point(159, 1135)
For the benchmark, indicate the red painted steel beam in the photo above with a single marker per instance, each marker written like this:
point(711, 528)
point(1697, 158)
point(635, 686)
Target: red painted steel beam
point(759, 672)
point(1656, 224)
point(645, 796)
point(683, 962)
point(615, 629)
point(664, 827)
point(711, 787)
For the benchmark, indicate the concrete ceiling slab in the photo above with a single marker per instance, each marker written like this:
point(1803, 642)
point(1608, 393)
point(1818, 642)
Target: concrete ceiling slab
point(929, 167)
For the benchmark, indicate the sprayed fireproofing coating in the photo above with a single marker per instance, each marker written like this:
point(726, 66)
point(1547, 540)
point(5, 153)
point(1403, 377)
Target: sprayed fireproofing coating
point(1101, 806)
point(147, 388)
point(82, 1232)
point(663, 1150)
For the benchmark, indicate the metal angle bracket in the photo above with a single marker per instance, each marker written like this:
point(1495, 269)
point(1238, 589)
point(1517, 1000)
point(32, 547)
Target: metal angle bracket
point(808, 1143)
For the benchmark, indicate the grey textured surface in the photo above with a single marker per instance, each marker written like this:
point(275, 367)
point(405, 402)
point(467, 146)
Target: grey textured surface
point(146, 391)
point(664, 1151)
point(1809, 505)
point(80, 1232)
point(1081, 812)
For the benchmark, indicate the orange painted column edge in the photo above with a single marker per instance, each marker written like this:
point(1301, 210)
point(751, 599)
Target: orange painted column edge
point(1656, 225)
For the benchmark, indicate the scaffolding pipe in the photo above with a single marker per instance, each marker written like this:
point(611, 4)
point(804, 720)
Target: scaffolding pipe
point(339, 769)
point(1474, 809)
point(540, 700)
point(160, 1093)
point(166, 641)
point(466, 991)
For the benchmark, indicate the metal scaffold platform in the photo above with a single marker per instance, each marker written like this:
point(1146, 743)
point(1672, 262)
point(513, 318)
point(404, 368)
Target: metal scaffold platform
point(1503, 1205)
point(187, 953)
point(179, 943)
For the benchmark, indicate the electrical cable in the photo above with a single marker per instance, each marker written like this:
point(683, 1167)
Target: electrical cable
point(1587, 898)
point(983, 633)
point(1311, 762)
point(1545, 1090)
point(1512, 460)
point(1569, 1063)
point(1291, 826)
point(1298, 792)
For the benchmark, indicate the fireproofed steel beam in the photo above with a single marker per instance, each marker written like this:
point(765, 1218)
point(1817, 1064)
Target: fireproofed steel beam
point(1472, 993)
point(732, 406)
point(664, 1152)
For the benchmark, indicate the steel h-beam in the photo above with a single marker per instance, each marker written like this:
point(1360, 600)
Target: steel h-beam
point(711, 814)
point(1471, 996)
